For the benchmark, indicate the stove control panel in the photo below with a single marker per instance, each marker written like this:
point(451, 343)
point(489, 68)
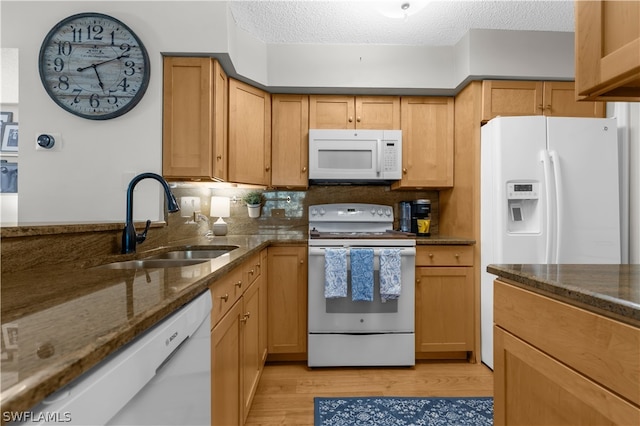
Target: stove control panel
point(352, 212)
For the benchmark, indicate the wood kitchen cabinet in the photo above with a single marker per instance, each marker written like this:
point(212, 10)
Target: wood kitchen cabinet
point(558, 364)
point(249, 134)
point(237, 340)
point(194, 127)
point(427, 143)
point(607, 50)
point(550, 98)
point(289, 141)
point(287, 302)
point(444, 302)
point(349, 112)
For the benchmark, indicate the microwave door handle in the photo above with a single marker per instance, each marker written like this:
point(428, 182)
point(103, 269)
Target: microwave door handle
point(379, 155)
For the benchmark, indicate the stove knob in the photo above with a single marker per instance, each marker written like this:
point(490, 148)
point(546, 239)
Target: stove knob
point(388, 212)
point(373, 212)
point(379, 212)
point(314, 212)
point(322, 212)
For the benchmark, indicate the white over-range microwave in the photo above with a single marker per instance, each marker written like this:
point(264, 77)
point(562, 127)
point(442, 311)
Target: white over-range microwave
point(355, 156)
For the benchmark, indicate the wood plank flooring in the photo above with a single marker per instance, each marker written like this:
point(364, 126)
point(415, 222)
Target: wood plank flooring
point(285, 393)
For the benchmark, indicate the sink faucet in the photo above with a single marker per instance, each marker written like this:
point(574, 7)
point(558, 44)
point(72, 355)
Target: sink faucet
point(129, 235)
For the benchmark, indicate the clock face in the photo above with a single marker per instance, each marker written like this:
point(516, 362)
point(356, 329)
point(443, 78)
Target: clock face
point(94, 66)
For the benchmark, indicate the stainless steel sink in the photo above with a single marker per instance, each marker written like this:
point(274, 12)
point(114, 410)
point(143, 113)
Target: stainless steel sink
point(194, 253)
point(151, 263)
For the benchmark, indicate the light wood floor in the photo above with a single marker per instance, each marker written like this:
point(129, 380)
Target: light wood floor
point(285, 393)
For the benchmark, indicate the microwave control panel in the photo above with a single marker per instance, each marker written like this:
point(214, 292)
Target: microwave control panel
point(391, 154)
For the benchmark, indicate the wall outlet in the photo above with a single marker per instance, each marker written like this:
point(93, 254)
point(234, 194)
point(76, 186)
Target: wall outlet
point(277, 213)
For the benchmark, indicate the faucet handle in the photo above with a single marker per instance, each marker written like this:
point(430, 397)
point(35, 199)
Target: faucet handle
point(142, 236)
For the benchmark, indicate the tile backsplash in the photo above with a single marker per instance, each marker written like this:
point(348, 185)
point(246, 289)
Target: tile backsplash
point(285, 210)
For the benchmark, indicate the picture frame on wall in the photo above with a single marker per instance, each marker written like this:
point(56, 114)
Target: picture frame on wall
point(6, 117)
point(9, 137)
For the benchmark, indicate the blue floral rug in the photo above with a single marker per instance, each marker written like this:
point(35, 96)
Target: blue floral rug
point(396, 411)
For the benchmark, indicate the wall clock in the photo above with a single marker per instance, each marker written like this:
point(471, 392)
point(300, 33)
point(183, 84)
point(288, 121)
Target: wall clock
point(94, 66)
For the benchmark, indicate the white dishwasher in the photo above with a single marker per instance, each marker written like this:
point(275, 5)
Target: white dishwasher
point(162, 377)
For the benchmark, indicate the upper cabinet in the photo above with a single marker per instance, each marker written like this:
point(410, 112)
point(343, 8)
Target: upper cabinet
point(249, 134)
point(607, 40)
point(194, 129)
point(427, 143)
point(289, 141)
point(349, 112)
point(551, 98)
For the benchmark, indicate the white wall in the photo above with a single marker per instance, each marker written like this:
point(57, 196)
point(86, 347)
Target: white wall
point(86, 180)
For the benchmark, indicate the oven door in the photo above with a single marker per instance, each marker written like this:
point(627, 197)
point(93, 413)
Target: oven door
point(342, 315)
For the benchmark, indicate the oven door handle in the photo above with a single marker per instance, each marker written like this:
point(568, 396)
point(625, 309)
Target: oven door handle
point(404, 251)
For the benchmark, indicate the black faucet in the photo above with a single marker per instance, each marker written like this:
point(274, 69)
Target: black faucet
point(129, 235)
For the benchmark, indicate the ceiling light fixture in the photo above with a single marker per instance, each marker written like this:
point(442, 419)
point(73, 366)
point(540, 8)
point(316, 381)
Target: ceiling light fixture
point(399, 9)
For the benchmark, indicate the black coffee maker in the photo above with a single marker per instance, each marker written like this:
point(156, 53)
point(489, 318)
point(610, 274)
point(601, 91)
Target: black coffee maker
point(421, 217)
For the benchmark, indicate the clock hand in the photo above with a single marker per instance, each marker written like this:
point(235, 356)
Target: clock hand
point(80, 69)
point(95, 68)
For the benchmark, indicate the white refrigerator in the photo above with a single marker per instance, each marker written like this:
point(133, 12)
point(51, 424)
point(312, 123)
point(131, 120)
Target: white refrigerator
point(549, 194)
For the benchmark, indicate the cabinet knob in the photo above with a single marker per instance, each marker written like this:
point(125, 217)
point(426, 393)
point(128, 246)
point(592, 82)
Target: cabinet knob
point(302, 262)
point(431, 255)
point(358, 119)
point(245, 317)
point(417, 280)
point(350, 119)
point(457, 255)
point(267, 168)
point(238, 284)
point(219, 157)
point(404, 170)
point(304, 169)
point(225, 297)
point(252, 272)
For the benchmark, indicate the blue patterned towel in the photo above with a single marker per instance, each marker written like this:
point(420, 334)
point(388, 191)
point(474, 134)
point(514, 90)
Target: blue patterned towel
point(390, 274)
point(362, 274)
point(335, 273)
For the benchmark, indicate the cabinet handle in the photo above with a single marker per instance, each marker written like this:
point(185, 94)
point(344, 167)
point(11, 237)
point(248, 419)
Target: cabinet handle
point(238, 284)
point(245, 317)
point(225, 297)
point(548, 107)
point(251, 272)
point(350, 119)
point(219, 157)
point(540, 106)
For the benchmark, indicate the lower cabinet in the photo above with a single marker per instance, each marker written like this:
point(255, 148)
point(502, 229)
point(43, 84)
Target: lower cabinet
point(557, 364)
point(445, 302)
point(287, 302)
point(238, 341)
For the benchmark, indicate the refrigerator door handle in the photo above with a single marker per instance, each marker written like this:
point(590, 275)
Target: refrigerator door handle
point(557, 181)
point(546, 163)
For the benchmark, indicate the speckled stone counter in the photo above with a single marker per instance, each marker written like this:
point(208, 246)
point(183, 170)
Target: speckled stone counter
point(610, 290)
point(58, 322)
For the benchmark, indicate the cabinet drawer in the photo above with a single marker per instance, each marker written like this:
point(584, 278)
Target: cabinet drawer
point(598, 347)
point(251, 270)
point(225, 292)
point(444, 256)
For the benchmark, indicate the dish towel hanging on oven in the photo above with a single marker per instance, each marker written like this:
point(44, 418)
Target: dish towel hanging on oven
point(390, 274)
point(335, 273)
point(362, 274)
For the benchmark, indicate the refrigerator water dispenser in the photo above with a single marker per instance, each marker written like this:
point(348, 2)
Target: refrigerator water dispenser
point(522, 202)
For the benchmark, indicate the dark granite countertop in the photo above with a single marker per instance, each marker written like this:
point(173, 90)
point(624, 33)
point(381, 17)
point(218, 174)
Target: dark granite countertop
point(609, 290)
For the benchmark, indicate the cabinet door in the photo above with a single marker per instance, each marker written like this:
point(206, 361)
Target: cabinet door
point(427, 142)
point(607, 40)
point(194, 124)
point(560, 101)
point(331, 112)
point(527, 379)
point(290, 141)
point(225, 369)
point(251, 357)
point(249, 134)
point(511, 98)
point(377, 112)
point(444, 309)
point(287, 299)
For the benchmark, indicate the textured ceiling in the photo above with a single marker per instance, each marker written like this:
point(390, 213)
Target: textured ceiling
point(434, 23)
